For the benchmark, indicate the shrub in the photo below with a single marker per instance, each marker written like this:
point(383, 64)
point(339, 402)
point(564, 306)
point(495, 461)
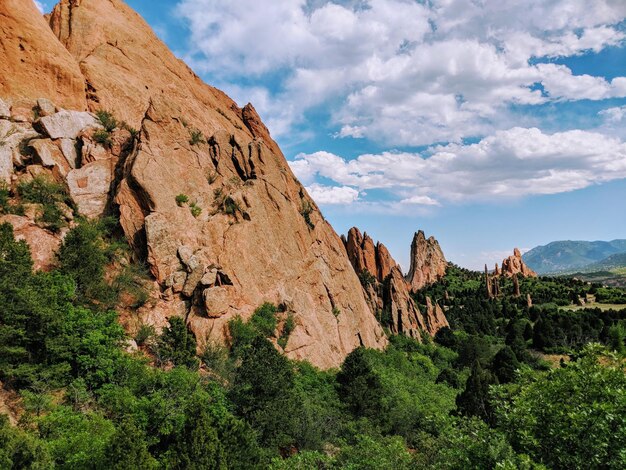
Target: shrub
point(50, 195)
point(231, 207)
point(367, 278)
point(195, 209)
point(288, 327)
point(211, 177)
point(5, 206)
point(177, 345)
point(264, 319)
point(195, 137)
point(145, 334)
point(306, 211)
point(102, 137)
point(181, 199)
point(107, 120)
point(82, 256)
point(336, 312)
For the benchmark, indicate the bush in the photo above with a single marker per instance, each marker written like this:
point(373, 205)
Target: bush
point(50, 195)
point(107, 120)
point(102, 137)
point(145, 335)
point(177, 345)
point(83, 257)
point(182, 199)
point(288, 327)
point(264, 320)
point(195, 210)
point(195, 137)
point(306, 211)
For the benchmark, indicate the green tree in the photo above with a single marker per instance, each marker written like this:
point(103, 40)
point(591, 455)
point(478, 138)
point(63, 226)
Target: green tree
point(262, 393)
point(474, 401)
point(505, 364)
point(83, 257)
point(359, 386)
point(570, 417)
point(177, 344)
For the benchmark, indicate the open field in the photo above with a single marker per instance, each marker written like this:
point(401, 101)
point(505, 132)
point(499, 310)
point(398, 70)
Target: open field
point(595, 305)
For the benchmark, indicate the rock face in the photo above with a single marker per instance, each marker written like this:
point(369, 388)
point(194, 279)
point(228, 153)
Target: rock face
point(387, 290)
point(40, 67)
point(43, 245)
point(514, 265)
point(428, 264)
point(251, 232)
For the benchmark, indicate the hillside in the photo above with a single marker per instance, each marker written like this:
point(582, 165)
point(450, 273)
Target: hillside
point(570, 256)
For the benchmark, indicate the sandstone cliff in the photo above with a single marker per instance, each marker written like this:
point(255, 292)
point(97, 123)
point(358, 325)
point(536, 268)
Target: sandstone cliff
point(34, 64)
point(248, 231)
point(428, 264)
point(387, 290)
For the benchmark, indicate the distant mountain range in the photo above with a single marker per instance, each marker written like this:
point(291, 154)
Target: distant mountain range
point(571, 256)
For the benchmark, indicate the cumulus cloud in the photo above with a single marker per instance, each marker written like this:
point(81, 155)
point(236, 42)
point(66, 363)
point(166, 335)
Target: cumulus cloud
point(400, 71)
point(327, 195)
point(513, 163)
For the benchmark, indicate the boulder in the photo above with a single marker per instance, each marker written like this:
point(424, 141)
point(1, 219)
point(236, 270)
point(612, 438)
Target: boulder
point(48, 154)
point(89, 187)
point(43, 245)
point(216, 301)
point(68, 124)
point(45, 107)
point(12, 138)
point(68, 149)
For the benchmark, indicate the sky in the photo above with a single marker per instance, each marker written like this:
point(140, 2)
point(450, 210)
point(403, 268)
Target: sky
point(490, 124)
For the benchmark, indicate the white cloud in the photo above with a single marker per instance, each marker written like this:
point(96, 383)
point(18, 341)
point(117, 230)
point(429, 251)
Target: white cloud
point(508, 164)
point(400, 71)
point(39, 6)
point(614, 115)
point(332, 194)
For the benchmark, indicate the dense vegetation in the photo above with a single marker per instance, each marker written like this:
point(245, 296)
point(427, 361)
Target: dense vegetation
point(477, 397)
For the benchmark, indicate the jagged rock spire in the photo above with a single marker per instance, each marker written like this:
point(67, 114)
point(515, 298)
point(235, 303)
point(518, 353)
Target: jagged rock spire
point(428, 264)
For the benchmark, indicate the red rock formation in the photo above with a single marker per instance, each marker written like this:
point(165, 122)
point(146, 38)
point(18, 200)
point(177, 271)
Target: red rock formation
point(258, 230)
point(428, 264)
point(384, 262)
point(435, 318)
point(34, 64)
point(514, 265)
point(361, 252)
point(388, 291)
point(406, 318)
point(43, 244)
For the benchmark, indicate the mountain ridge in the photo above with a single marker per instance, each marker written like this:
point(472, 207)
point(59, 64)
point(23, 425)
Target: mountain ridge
point(571, 255)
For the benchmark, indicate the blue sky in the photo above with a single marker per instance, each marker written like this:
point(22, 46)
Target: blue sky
point(489, 125)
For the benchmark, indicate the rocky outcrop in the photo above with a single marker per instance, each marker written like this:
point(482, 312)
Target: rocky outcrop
point(248, 233)
point(514, 265)
point(43, 244)
point(387, 290)
point(428, 264)
point(362, 252)
point(404, 316)
point(435, 318)
point(34, 63)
